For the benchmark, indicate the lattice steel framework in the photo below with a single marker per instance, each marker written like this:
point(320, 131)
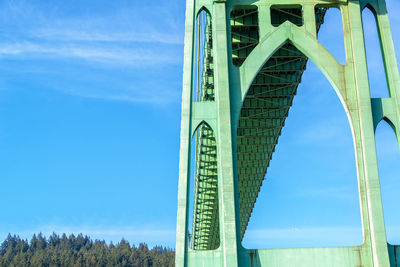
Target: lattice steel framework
point(247, 69)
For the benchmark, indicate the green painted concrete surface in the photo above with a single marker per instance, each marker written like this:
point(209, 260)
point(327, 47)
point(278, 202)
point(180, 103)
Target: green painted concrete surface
point(243, 62)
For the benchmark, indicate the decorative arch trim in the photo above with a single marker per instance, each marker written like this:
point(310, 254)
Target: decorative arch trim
point(371, 5)
point(197, 126)
point(371, 8)
point(384, 109)
point(389, 121)
point(201, 9)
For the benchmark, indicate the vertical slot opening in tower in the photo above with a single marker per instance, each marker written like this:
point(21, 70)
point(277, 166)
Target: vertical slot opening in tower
point(376, 68)
point(203, 64)
point(387, 148)
point(204, 206)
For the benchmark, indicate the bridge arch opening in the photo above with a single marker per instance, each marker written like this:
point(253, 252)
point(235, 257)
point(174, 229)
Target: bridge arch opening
point(326, 185)
point(203, 212)
point(375, 61)
point(387, 147)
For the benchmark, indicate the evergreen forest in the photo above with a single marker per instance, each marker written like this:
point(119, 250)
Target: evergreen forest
point(80, 251)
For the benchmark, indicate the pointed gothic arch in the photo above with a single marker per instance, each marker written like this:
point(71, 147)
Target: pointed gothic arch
point(201, 9)
point(308, 45)
point(258, 132)
point(388, 121)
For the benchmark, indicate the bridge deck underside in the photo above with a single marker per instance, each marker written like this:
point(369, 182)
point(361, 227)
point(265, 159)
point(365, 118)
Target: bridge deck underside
point(264, 112)
point(262, 118)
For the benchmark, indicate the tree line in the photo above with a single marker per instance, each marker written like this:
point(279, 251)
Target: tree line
point(80, 251)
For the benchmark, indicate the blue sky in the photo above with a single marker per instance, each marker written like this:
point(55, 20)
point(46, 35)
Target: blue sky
point(90, 97)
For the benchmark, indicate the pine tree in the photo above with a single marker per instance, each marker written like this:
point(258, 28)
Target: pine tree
point(80, 251)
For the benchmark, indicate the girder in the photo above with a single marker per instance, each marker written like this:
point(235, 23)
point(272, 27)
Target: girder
point(285, 82)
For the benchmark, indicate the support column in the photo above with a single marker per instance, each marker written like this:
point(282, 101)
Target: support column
point(359, 103)
point(229, 235)
point(309, 19)
point(264, 20)
point(184, 155)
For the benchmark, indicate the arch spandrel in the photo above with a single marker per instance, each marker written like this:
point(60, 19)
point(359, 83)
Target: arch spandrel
point(307, 44)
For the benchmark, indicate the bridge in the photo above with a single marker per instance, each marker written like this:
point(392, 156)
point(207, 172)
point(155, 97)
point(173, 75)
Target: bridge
point(243, 63)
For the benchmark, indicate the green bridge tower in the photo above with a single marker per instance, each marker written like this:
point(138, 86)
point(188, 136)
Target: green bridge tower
point(243, 62)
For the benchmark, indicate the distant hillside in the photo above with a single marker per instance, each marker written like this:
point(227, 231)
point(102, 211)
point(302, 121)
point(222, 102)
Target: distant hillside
point(80, 251)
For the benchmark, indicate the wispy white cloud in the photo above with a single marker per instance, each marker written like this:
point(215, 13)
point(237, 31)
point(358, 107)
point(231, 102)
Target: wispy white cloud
point(134, 38)
point(136, 96)
point(139, 57)
point(117, 35)
point(71, 34)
